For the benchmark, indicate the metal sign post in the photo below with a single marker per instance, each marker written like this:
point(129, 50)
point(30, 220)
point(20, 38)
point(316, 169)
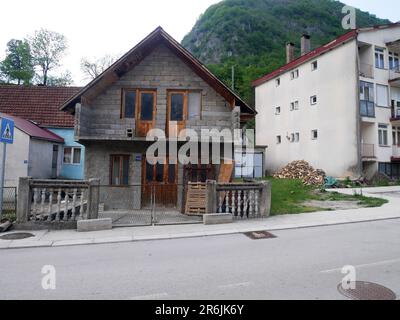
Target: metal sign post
point(6, 137)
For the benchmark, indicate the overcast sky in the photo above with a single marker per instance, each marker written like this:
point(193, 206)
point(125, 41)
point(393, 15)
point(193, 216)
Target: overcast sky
point(98, 27)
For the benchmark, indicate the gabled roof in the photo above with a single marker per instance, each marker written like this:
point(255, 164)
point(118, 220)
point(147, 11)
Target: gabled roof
point(133, 57)
point(33, 130)
point(321, 50)
point(38, 103)
point(309, 56)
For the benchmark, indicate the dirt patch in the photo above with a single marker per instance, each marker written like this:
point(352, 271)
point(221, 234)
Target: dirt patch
point(333, 205)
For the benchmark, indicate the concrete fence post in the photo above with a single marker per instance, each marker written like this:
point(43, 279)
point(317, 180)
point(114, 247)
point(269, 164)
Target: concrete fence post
point(211, 196)
point(265, 199)
point(24, 199)
point(93, 198)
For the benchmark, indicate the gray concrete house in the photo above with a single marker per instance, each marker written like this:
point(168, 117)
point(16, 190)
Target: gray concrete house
point(156, 85)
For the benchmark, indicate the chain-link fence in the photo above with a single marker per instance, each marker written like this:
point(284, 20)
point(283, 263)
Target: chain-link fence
point(9, 203)
point(144, 204)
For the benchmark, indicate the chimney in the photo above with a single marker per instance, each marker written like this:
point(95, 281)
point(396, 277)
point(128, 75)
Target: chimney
point(305, 44)
point(289, 52)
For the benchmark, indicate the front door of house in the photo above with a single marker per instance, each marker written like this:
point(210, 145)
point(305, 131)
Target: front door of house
point(159, 184)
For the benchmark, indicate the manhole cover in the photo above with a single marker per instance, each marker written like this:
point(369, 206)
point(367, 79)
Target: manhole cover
point(367, 291)
point(258, 235)
point(16, 236)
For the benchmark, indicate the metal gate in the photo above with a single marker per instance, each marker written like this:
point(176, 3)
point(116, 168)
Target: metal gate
point(145, 205)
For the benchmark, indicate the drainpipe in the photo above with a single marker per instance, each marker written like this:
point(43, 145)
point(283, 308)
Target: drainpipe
point(358, 114)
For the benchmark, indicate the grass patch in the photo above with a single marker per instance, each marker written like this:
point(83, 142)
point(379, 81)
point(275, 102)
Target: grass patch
point(9, 215)
point(289, 195)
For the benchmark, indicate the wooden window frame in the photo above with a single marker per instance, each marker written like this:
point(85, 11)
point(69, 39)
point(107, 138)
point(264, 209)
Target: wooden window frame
point(122, 110)
point(121, 156)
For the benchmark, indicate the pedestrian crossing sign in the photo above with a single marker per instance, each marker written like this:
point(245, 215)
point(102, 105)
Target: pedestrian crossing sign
point(7, 131)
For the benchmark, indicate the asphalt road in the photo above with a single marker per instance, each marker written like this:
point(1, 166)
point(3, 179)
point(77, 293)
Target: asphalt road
point(298, 264)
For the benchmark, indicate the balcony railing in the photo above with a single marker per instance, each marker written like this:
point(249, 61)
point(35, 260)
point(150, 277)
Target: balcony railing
point(394, 73)
point(366, 70)
point(395, 113)
point(396, 151)
point(368, 150)
point(367, 109)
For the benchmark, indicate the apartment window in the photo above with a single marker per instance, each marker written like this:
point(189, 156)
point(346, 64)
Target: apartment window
point(294, 74)
point(296, 137)
point(367, 104)
point(278, 110)
point(382, 96)
point(278, 139)
point(380, 58)
point(72, 155)
point(396, 136)
point(119, 169)
point(393, 61)
point(314, 134)
point(383, 135)
point(313, 100)
point(314, 65)
point(294, 105)
point(278, 82)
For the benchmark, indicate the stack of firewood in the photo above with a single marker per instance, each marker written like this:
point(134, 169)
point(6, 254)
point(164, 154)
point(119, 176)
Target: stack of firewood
point(302, 170)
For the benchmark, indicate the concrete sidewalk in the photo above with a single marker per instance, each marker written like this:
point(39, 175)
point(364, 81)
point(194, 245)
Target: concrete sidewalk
point(390, 210)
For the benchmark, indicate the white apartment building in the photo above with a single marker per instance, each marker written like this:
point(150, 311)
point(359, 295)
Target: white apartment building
point(337, 107)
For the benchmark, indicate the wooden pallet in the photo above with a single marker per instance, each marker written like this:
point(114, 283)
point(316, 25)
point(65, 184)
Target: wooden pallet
point(196, 199)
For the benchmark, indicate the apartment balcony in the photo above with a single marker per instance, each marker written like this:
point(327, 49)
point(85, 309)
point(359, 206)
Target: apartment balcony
point(367, 70)
point(395, 118)
point(368, 152)
point(396, 154)
point(367, 109)
point(394, 77)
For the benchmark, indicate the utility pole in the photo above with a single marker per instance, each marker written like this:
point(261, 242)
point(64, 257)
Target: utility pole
point(6, 137)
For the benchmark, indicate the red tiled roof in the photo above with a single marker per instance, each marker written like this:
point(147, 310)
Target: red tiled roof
point(311, 55)
point(37, 103)
point(32, 129)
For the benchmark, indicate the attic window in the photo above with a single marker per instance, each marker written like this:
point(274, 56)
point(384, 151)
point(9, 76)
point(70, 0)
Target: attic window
point(128, 103)
point(314, 65)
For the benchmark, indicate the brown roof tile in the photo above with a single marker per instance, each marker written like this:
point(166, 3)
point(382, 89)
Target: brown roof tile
point(38, 104)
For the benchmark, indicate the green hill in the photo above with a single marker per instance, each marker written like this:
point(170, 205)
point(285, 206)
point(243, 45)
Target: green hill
point(251, 34)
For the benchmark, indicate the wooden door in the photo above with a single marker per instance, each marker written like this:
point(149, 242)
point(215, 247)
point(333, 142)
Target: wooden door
point(146, 112)
point(160, 181)
point(177, 112)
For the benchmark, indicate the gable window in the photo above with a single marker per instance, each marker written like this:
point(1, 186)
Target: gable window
point(314, 65)
point(294, 74)
point(194, 105)
point(278, 82)
point(128, 103)
point(119, 170)
point(379, 58)
point(278, 110)
point(278, 139)
point(382, 96)
point(146, 106)
point(294, 105)
point(72, 155)
point(314, 134)
point(383, 135)
point(393, 61)
point(313, 100)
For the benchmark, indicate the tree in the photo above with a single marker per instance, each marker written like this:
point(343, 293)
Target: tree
point(18, 66)
point(65, 79)
point(93, 68)
point(48, 47)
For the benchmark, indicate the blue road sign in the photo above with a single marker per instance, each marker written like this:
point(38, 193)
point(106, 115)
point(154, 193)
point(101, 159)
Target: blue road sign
point(7, 131)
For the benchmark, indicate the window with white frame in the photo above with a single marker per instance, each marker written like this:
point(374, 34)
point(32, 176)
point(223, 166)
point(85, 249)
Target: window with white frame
point(277, 110)
point(383, 135)
point(278, 82)
point(313, 100)
point(393, 61)
point(382, 95)
point(278, 139)
point(314, 65)
point(72, 155)
point(379, 58)
point(314, 134)
point(294, 105)
point(294, 74)
point(297, 137)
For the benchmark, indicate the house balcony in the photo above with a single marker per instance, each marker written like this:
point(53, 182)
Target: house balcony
point(366, 70)
point(396, 154)
point(367, 109)
point(368, 153)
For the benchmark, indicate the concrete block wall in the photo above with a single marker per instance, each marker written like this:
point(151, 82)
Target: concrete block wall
point(160, 70)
